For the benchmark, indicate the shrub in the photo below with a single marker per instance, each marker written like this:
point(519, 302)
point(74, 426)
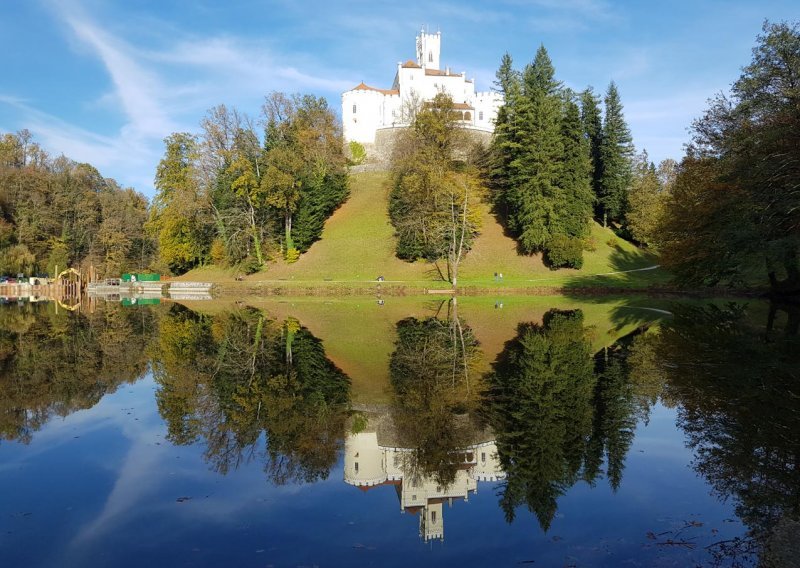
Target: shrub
point(357, 153)
point(249, 265)
point(360, 423)
point(564, 251)
point(590, 244)
point(292, 255)
point(219, 255)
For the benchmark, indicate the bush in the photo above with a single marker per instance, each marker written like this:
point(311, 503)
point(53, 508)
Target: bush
point(360, 423)
point(219, 255)
point(564, 251)
point(292, 255)
point(357, 153)
point(249, 265)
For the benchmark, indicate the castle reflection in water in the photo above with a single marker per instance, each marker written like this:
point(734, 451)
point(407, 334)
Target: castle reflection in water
point(372, 462)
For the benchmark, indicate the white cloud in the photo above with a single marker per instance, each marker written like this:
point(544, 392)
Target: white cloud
point(137, 88)
point(157, 92)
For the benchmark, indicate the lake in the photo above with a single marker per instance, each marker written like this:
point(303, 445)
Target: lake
point(404, 431)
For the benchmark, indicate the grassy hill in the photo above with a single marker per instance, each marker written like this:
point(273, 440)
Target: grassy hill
point(357, 246)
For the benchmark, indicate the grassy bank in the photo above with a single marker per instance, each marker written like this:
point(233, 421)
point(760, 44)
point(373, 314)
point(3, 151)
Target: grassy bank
point(357, 246)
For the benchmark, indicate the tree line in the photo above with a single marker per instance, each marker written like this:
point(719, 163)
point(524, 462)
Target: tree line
point(55, 212)
point(733, 217)
point(243, 192)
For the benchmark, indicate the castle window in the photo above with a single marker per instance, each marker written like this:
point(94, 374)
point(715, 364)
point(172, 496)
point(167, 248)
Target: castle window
point(483, 456)
point(430, 56)
point(354, 109)
point(433, 517)
point(356, 467)
point(480, 115)
point(467, 116)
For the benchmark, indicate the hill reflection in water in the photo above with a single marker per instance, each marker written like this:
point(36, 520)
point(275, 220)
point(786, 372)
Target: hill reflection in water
point(559, 415)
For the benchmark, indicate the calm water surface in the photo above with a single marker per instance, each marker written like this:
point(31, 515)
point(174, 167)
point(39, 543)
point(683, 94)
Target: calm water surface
point(488, 433)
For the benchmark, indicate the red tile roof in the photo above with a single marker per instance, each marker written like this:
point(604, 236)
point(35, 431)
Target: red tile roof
point(410, 64)
point(364, 87)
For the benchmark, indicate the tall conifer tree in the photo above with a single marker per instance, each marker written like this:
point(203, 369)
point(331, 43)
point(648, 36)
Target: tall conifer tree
point(506, 146)
point(576, 200)
point(593, 131)
point(616, 153)
point(532, 198)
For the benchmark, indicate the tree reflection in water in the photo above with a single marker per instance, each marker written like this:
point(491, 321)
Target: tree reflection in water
point(55, 363)
point(738, 390)
point(436, 392)
point(429, 443)
point(231, 378)
point(559, 412)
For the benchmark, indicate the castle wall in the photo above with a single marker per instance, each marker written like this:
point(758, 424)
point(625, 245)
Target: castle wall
point(379, 152)
point(366, 111)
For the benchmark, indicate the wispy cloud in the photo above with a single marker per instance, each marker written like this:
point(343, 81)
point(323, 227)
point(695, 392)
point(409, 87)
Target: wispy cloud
point(156, 91)
point(252, 65)
point(137, 88)
point(131, 155)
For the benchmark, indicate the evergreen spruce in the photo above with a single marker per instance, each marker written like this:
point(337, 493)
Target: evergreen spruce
point(616, 153)
point(532, 194)
point(593, 131)
point(552, 160)
point(506, 146)
point(577, 196)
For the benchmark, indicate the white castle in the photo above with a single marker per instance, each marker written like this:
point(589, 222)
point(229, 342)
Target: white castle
point(368, 464)
point(366, 110)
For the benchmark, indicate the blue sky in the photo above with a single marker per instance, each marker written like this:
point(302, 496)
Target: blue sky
point(105, 82)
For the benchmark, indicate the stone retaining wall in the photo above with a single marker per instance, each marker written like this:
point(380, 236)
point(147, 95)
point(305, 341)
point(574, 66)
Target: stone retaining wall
point(379, 154)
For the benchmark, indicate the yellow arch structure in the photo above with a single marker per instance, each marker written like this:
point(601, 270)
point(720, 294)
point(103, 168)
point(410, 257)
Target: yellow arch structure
point(71, 308)
point(68, 271)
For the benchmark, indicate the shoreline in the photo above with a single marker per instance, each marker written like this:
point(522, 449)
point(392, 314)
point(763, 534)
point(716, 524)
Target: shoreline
point(435, 289)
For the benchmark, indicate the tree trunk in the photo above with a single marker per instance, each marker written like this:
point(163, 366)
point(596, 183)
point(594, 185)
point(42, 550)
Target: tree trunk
point(790, 286)
point(256, 237)
point(256, 344)
point(288, 229)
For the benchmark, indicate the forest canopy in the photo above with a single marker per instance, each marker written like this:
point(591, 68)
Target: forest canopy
point(55, 212)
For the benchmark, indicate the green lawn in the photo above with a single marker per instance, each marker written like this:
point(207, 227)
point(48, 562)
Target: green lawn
point(357, 246)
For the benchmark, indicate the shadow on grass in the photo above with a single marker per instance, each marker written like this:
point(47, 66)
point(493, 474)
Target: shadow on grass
point(630, 282)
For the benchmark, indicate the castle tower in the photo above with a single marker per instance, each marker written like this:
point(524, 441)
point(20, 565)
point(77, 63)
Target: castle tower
point(431, 521)
point(429, 49)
